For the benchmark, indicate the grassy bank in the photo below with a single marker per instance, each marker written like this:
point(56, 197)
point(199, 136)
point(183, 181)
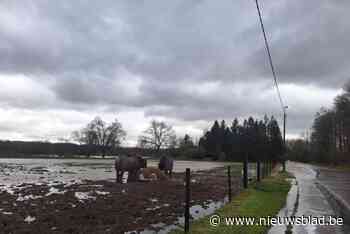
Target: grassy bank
point(260, 200)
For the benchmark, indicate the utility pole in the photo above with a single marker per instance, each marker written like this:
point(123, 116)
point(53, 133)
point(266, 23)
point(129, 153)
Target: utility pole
point(284, 136)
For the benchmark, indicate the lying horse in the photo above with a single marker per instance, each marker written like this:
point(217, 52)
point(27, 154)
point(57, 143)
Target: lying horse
point(152, 173)
point(130, 164)
point(166, 164)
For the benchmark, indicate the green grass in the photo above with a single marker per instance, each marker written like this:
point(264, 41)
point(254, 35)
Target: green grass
point(260, 200)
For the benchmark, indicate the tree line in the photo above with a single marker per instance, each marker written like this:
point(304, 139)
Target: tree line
point(330, 134)
point(106, 138)
point(253, 138)
point(257, 139)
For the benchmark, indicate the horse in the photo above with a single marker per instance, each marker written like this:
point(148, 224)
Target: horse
point(152, 173)
point(166, 164)
point(131, 164)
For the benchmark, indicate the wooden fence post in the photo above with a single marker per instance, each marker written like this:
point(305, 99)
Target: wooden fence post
point(187, 200)
point(245, 172)
point(229, 183)
point(270, 167)
point(258, 176)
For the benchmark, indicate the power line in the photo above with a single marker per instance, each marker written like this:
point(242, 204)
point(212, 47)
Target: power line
point(270, 58)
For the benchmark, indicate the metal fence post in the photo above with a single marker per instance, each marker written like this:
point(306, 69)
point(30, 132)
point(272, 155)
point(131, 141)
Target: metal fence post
point(187, 200)
point(229, 183)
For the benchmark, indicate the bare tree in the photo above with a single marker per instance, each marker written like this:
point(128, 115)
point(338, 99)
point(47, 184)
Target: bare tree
point(78, 137)
point(101, 135)
point(157, 136)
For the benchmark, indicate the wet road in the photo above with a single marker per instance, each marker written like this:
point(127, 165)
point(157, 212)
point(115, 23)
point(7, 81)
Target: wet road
point(337, 181)
point(306, 199)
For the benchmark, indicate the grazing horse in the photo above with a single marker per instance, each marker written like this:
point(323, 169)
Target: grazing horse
point(166, 164)
point(130, 164)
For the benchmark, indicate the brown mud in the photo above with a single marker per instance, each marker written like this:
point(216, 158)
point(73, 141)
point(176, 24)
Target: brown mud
point(107, 207)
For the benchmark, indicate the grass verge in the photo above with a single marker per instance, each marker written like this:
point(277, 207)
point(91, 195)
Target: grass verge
point(260, 200)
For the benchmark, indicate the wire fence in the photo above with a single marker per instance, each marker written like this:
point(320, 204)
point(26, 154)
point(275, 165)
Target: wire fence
point(220, 185)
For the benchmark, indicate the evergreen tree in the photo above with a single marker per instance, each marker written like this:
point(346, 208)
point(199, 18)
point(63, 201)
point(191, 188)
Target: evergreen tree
point(259, 140)
point(275, 140)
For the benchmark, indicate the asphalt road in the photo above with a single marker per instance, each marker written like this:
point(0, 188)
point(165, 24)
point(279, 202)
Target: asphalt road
point(335, 180)
point(306, 198)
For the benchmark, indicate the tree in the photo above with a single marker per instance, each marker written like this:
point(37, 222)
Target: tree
point(323, 135)
point(331, 131)
point(259, 140)
point(157, 136)
point(298, 150)
point(186, 142)
point(101, 135)
point(276, 146)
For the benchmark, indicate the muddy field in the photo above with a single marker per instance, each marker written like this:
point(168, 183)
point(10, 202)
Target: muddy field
point(107, 207)
point(102, 206)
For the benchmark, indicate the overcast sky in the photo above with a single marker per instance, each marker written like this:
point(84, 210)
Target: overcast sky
point(187, 62)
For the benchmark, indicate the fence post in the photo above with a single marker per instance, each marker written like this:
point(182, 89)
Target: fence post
point(245, 172)
point(229, 183)
point(187, 200)
point(258, 176)
point(270, 166)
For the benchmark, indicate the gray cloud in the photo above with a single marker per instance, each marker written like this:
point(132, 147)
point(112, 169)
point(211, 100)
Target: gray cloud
point(186, 60)
point(312, 45)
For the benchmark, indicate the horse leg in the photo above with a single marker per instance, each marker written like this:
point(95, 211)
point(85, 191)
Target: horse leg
point(170, 173)
point(121, 173)
point(134, 175)
point(131, 176)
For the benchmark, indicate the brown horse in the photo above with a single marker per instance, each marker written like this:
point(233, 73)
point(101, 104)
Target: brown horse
point(131, 164)
point(166, 164)
point(152, 173)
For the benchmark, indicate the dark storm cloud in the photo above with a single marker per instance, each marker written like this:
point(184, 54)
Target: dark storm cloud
point(178, 40)
point(313, 43)
point(190, 60)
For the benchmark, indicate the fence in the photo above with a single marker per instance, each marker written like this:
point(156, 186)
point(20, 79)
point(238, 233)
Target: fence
point(251, 172)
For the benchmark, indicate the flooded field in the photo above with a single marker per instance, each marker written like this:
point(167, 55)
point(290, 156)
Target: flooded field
point(18, 171)
point(81, 196)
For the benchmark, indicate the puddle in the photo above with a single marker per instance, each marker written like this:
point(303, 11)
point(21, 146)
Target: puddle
point(81, 196)
point(196, 212)
point(15, 171)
